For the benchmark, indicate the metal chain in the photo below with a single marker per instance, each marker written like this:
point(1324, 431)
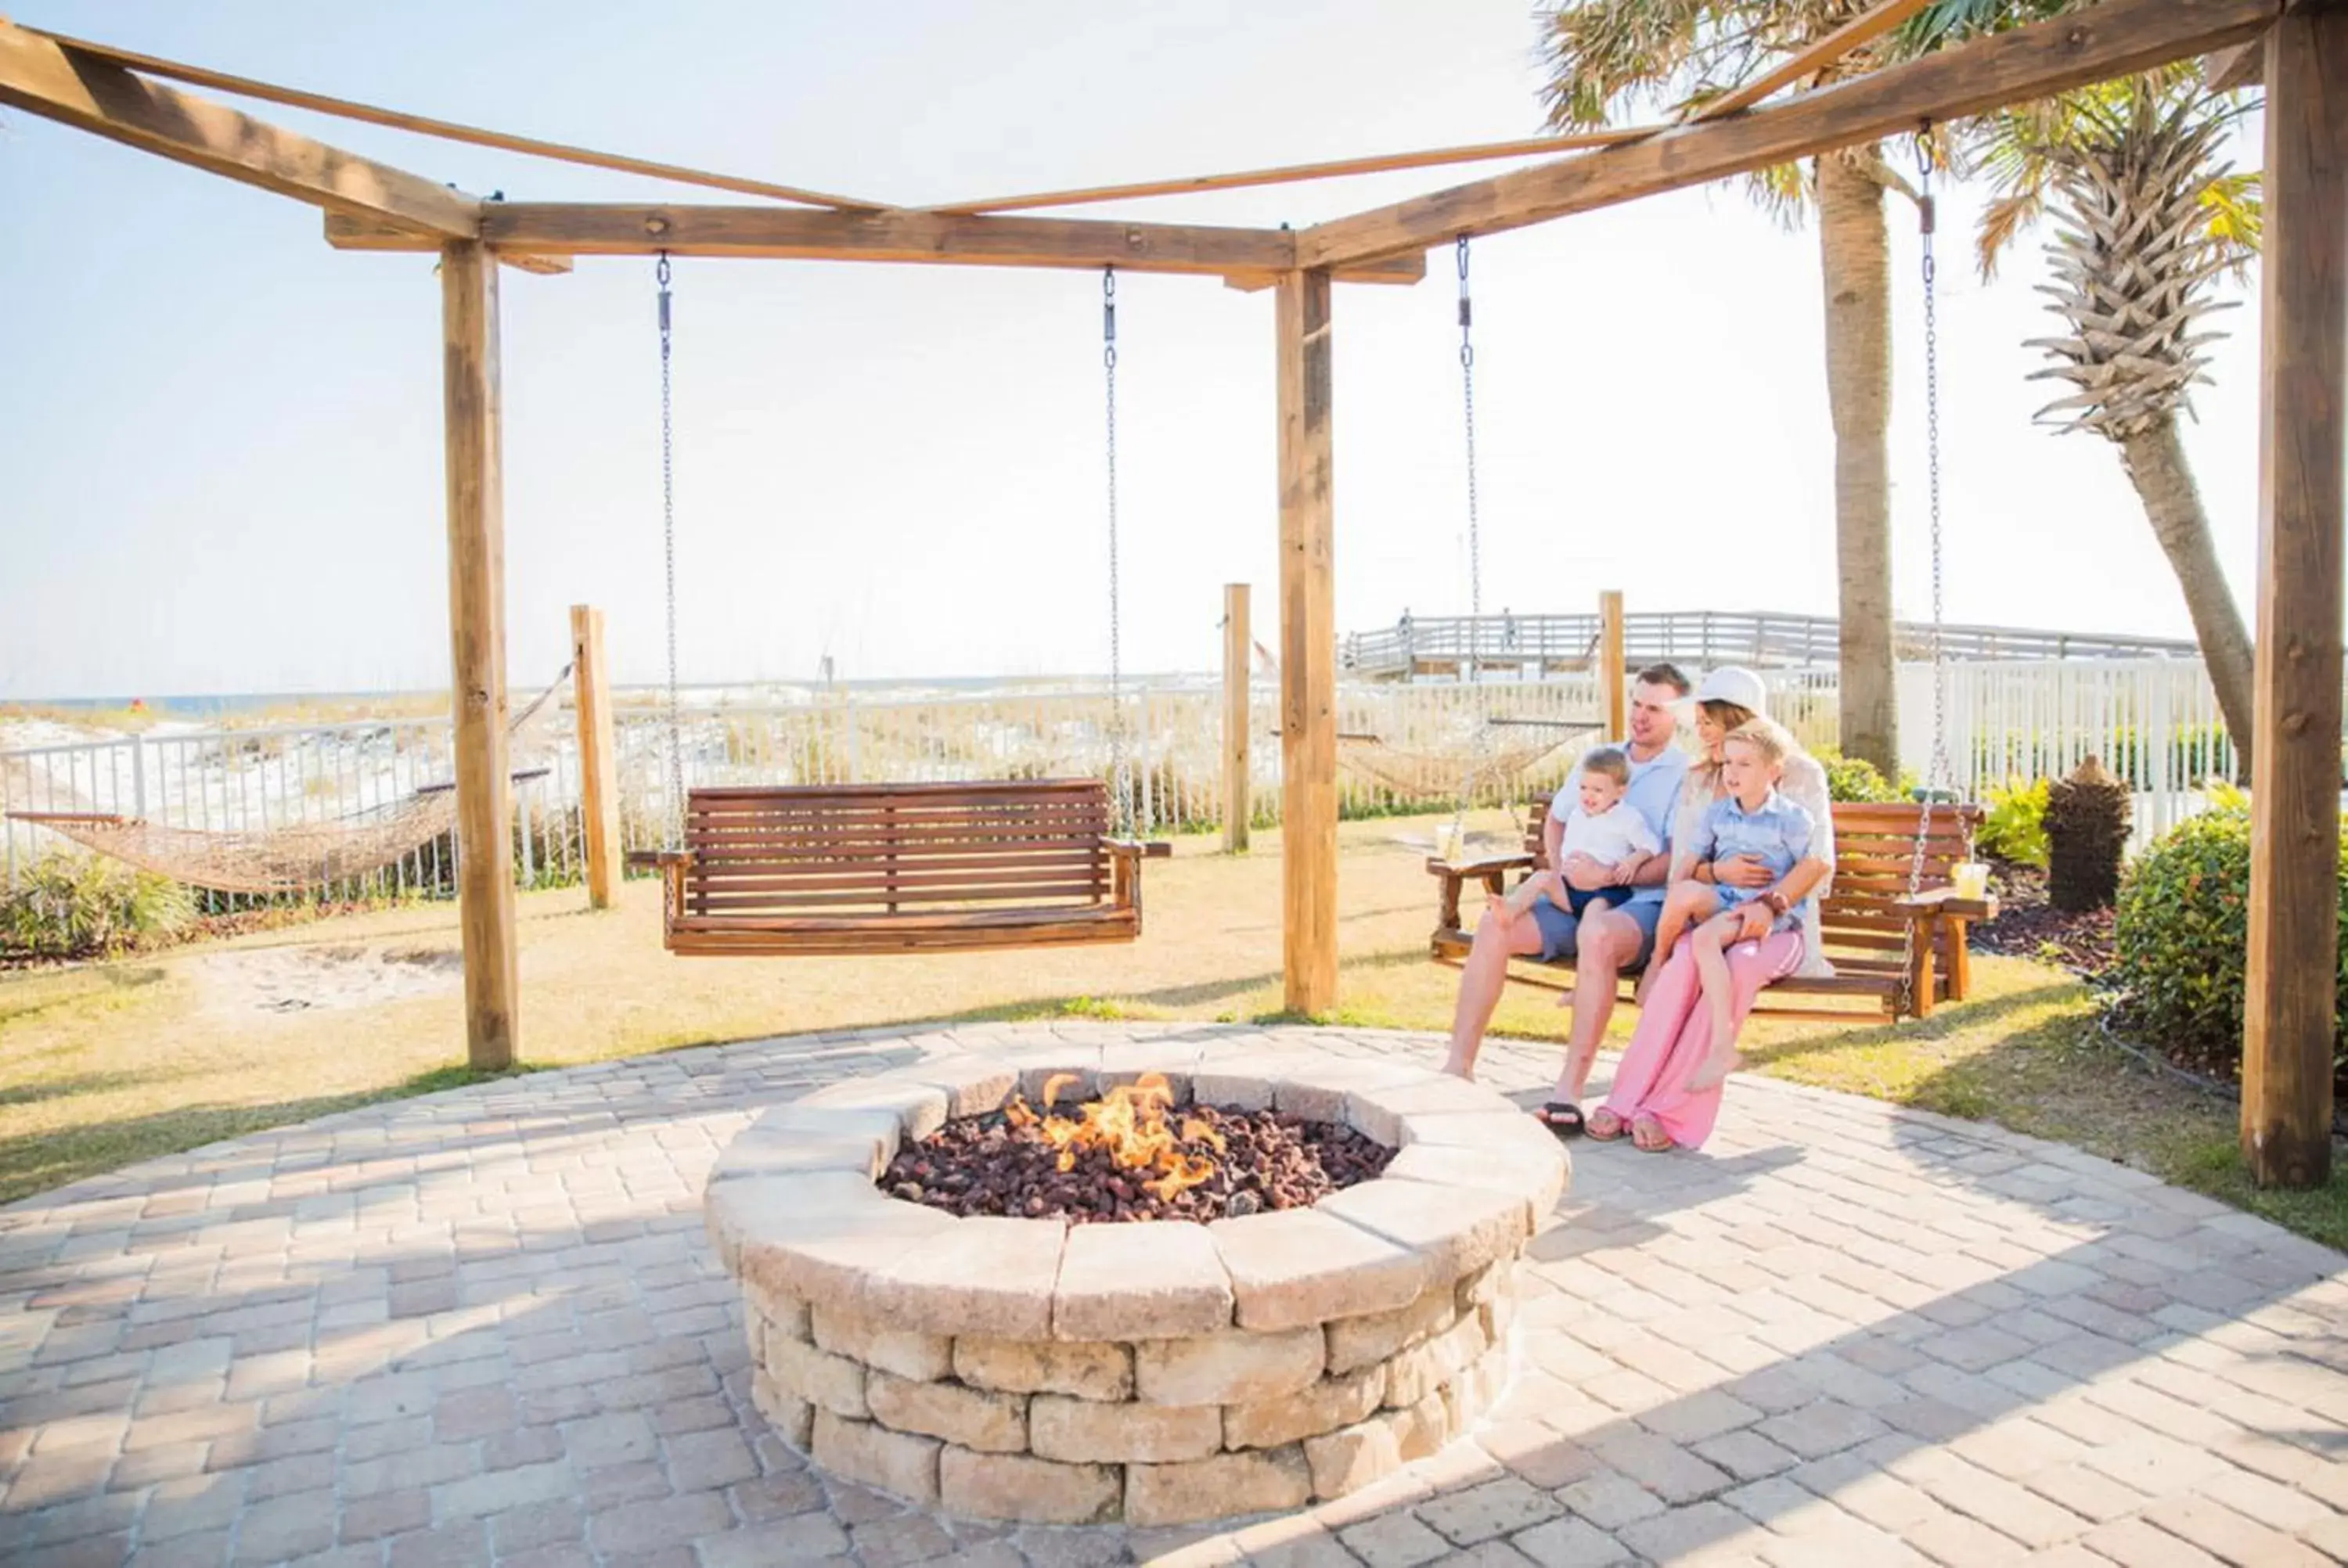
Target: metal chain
point(1120, 766)
point(668, 548)
point(1468, 389)
point(1475, 546)
point(1938, 770)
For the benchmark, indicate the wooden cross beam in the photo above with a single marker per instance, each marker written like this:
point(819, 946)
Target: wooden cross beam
point(517, 230)
point(423, 125)
point(46, 78)
point(2112, 39)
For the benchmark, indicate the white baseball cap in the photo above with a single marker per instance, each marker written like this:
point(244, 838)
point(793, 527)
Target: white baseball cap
point(1733, 684)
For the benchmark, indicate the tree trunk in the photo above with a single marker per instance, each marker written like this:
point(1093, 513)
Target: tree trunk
point(1854, 246)
point(2154, 460)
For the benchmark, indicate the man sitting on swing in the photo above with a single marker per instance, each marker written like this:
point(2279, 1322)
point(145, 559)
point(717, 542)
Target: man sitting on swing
point(1606, 940)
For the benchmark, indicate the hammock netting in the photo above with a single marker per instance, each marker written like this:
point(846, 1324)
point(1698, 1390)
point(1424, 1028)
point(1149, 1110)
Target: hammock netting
point(1442, 775)
point(275, 860)
point(289, 859)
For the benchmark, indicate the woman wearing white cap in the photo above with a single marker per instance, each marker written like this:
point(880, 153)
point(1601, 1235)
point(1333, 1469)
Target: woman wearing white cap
point(1651, 1097)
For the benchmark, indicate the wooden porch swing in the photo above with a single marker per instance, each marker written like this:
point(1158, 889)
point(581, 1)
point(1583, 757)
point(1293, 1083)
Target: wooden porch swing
point(779, 871)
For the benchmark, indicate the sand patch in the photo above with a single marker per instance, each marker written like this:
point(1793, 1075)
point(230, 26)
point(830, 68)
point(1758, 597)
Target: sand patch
point(322, 979)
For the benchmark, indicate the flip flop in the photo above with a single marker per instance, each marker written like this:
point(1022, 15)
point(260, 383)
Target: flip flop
point(1620, 1128)
point(1647, 1136)
point(1562, 1117)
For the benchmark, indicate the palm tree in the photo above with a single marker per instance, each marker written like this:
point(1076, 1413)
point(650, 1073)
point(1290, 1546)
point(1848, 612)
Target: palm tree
point(1603, 53)
point(2148, 216)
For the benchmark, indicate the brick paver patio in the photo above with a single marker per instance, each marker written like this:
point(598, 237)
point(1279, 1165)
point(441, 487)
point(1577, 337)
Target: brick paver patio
point(486, 1326)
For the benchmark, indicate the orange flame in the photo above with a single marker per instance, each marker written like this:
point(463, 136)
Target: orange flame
point(1130, 1123)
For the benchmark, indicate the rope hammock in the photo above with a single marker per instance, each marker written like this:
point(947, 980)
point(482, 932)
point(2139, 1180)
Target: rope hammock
point(1438, 774)
point(288, 860)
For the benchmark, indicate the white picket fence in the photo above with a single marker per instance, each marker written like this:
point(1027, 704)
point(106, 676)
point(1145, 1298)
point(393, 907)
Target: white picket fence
point(2153, 720)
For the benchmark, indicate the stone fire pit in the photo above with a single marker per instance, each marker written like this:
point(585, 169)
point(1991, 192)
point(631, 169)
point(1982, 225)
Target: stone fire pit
point(1159, 1372)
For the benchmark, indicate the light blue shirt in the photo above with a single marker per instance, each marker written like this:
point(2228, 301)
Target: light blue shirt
point(1777, 835)
point(1654, 794)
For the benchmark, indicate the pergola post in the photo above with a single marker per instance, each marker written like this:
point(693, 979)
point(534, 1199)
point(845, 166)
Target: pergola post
point(1238, 796)
point(1613, 675)
point(1308, 648)
point(2287, 1024)
point(599, 764)
point(476, 642)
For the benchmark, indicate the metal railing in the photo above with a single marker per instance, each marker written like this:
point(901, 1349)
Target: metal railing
point(2153, 720)
point(1443, 645)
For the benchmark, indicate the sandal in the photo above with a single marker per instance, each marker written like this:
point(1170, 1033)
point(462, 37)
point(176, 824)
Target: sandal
point(1608, 1130)
point(1563, 1118)
point(1647, 1136)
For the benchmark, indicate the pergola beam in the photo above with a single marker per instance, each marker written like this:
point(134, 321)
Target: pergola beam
point(1859, 31)
point(449, 130)
point(521, 228)
point(2113, 39)
point(1297, 173)
point(46, 79)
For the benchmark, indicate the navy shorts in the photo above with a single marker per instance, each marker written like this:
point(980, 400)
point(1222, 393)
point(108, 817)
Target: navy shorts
point(1559, 927)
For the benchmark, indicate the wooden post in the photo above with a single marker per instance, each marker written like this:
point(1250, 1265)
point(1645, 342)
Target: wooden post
point(1617, 681)
point(1308, 649)
point(1239, 800)
point(599, 757)
point(2287, 1020)
point(477, 639)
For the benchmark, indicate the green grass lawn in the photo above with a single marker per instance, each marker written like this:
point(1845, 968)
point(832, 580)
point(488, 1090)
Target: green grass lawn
point(102, 1065)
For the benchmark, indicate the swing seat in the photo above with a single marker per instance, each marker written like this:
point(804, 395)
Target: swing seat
point(1866, 923)
point(899, 869)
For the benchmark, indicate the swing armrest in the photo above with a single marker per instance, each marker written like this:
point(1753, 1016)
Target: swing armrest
point(1942, 904)
point(1140, 849)
point(1491, 870)
point(653, 859)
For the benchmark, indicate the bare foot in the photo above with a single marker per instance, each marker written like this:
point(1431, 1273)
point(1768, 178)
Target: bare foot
point(1463, 1071)
point(1714, 1073)
point(1565, 998)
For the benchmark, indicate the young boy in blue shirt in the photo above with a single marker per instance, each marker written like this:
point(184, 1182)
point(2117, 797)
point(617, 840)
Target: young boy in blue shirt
point(1755, 820)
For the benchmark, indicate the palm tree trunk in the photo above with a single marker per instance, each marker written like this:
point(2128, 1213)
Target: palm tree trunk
point(2154, 460)
point(1855, 246)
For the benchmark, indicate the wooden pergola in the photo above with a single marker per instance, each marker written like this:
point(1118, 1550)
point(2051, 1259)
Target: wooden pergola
point(2300, 48)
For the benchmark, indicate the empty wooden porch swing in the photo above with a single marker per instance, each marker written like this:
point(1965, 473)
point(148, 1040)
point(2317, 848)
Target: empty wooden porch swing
point(777, 871)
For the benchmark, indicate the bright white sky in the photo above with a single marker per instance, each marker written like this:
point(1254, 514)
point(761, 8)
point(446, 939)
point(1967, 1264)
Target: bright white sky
point(222, 439)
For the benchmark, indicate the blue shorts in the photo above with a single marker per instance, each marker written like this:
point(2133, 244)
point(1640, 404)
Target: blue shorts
point(1559, 927)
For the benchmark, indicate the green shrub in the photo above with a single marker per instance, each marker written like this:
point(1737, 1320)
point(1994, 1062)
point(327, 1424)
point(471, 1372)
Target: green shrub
point(2015, 827)
point(2182, 934)
point(1857, 780)
point(67, 905)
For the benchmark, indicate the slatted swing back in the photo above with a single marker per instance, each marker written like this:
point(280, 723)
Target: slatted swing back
point(880, 868)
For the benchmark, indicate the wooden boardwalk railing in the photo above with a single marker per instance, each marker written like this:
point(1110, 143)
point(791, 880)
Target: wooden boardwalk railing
point(1702, 638)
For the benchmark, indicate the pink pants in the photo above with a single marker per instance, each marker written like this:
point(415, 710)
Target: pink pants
point(1674, 1036)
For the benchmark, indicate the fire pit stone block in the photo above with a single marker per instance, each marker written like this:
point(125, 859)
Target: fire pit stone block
point(1132, 1282)
point(1161, 1373)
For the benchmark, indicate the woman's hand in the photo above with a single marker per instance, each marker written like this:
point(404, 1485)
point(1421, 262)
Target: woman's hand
point(1742, 871)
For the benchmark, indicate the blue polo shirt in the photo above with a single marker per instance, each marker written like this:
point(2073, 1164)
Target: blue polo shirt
point(1777, 834)
point(1654, 794)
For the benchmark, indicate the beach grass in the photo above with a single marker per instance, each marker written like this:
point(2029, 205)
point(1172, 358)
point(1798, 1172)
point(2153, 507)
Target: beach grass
point(105, 1065)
